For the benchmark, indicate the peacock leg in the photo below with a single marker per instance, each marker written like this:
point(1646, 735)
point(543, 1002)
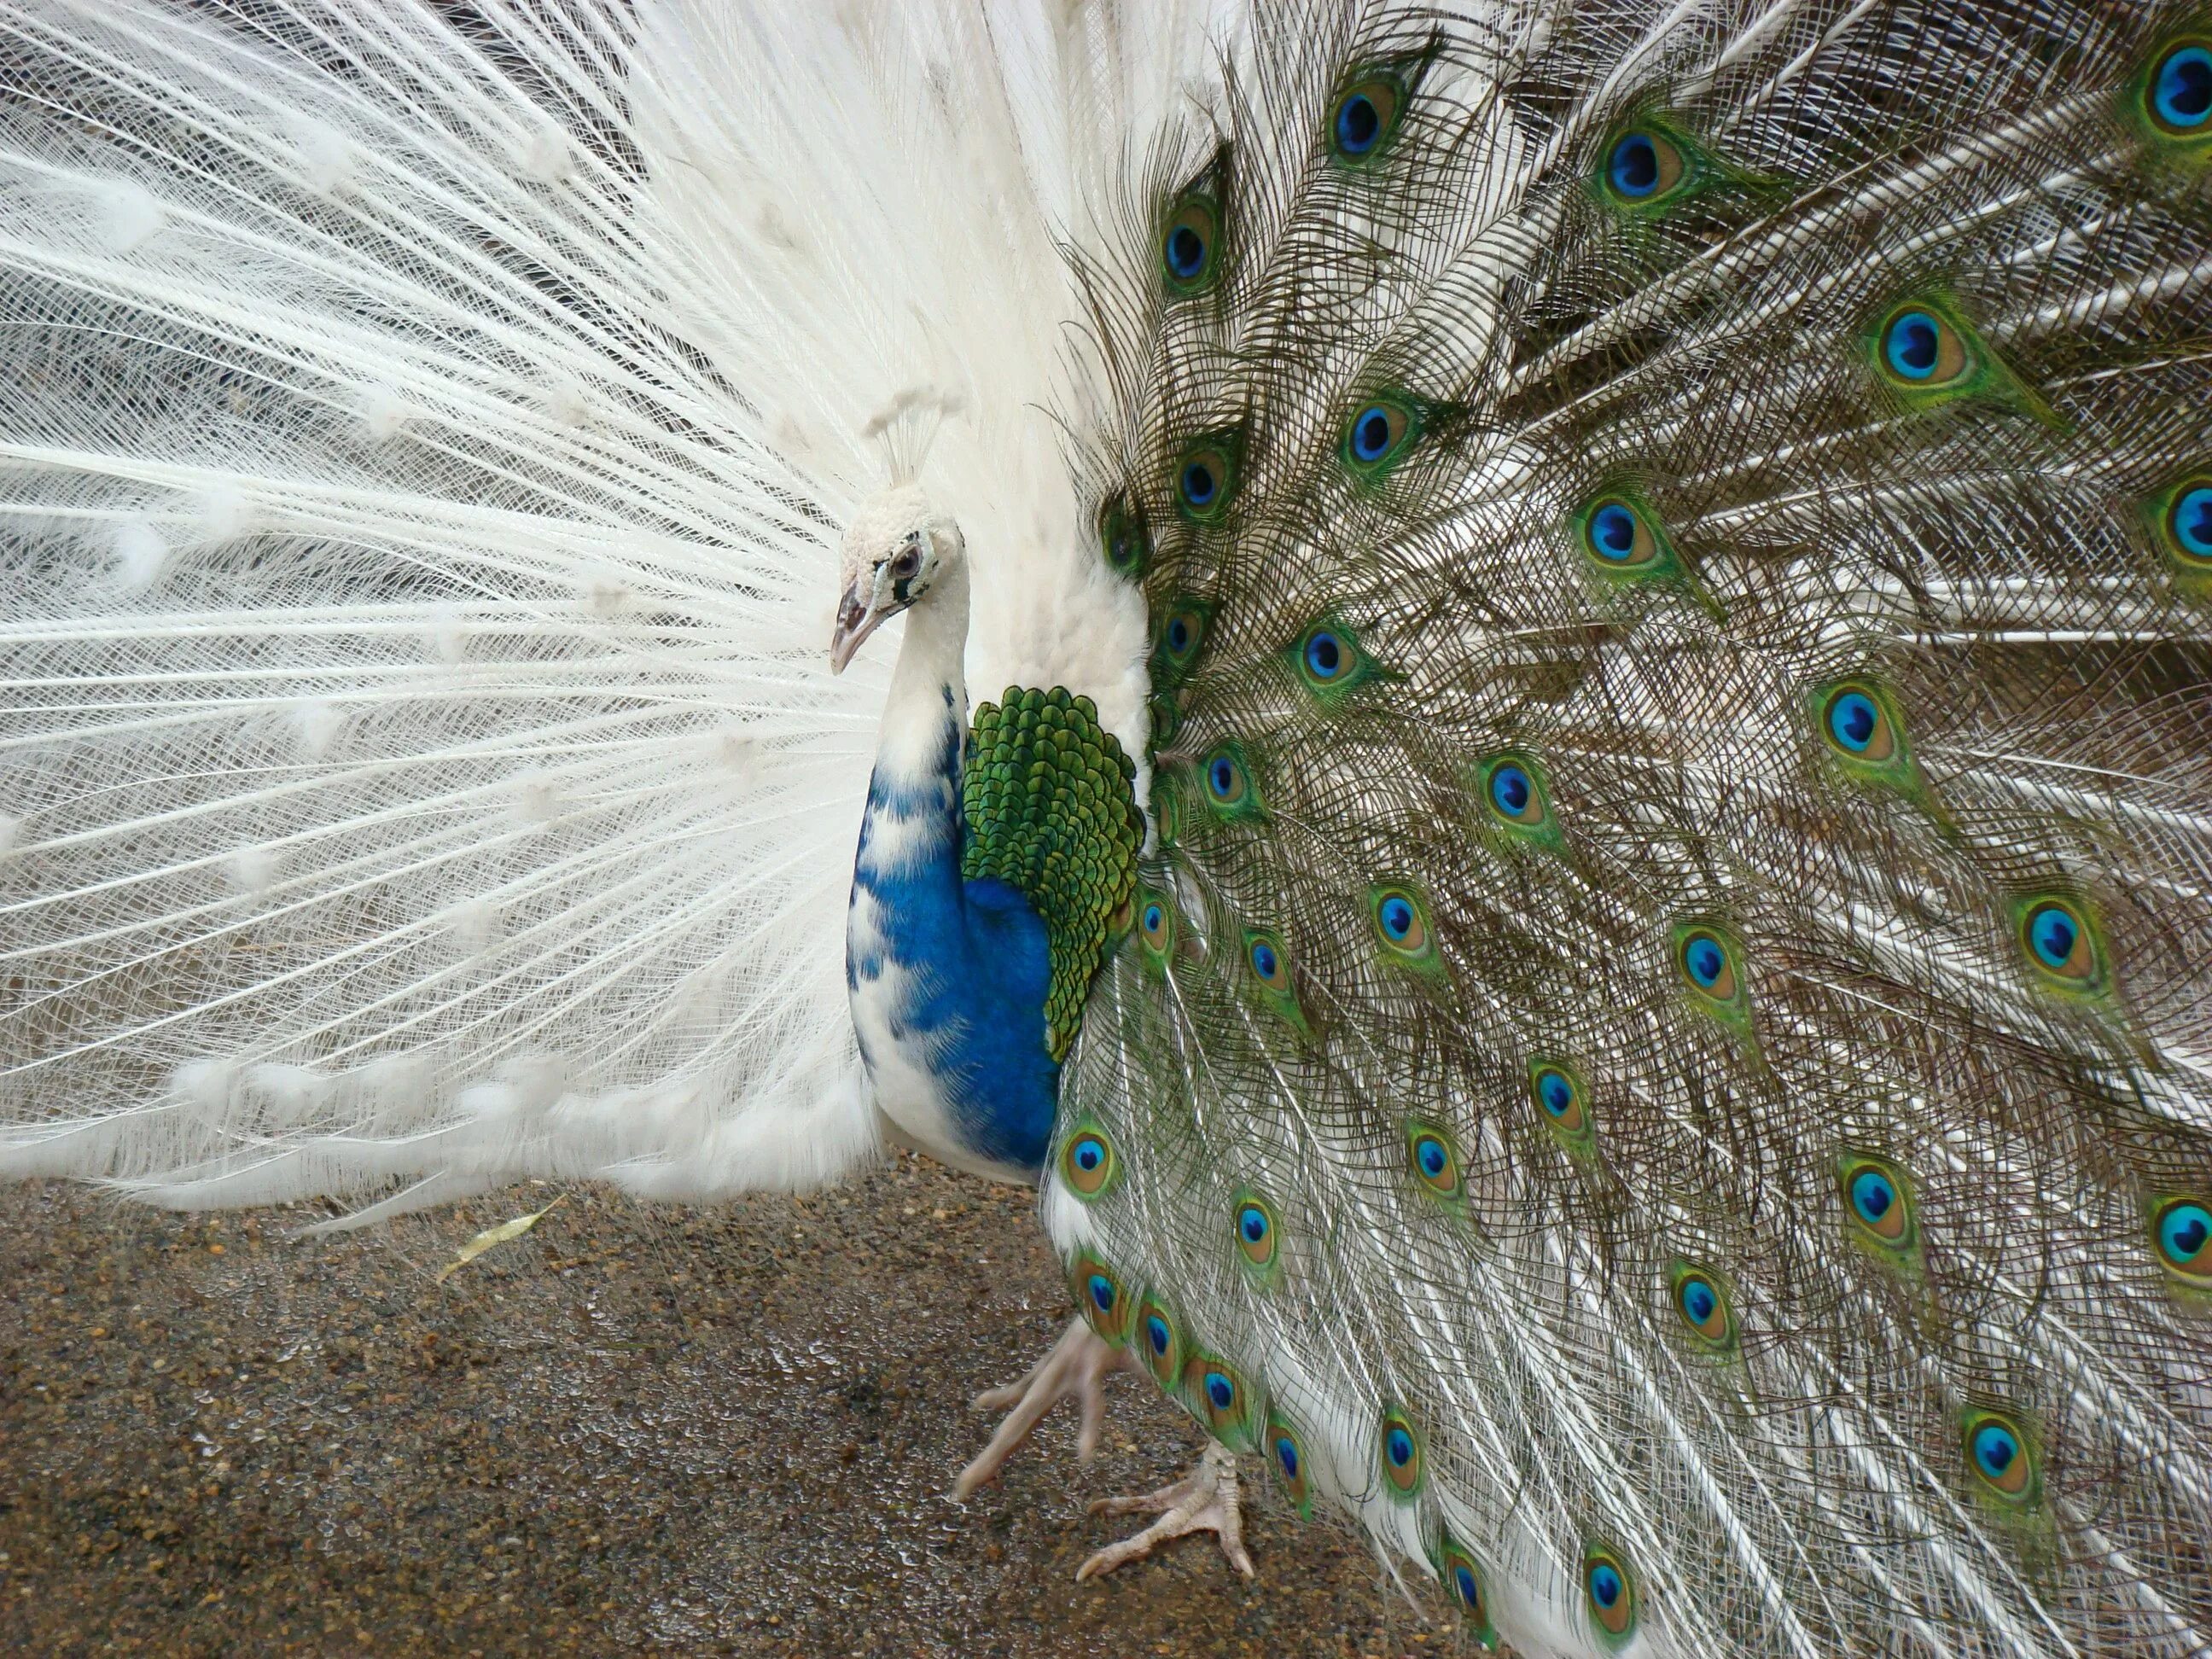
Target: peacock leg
point(1077, 1368)
point(1205, 1500)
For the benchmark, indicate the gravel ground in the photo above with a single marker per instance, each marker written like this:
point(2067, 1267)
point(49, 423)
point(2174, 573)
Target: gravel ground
point(720, 1430)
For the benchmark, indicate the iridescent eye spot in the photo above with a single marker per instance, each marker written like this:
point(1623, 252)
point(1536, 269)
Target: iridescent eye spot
point(1188, 245)
point(1614, 533)
point(1510, 791)
point(1401, 1454)
point(1324, 655)
point(1204, 479)
point(1876, 1199)
point(1267, 966)
point(1157, 1336)
point(1643, 166)
point(1609, 1591)
point(1252, 1222)
point(1289, 1459)
point(2189, 522)
point(1698, 1298)
point(1919, 348)
point(1468, 1588)
point(2182, 1229)
point(2059, 941)
point(1375, 434)
point(1103, 1293)
point(1555, 1093)
point(1183, 631)
point(1434, 1160)
point(1705, 960)
point(1364, 119)
point(1855, 723)
point(1099, 1297)
point(1256, 1230)
point(1220, 1392)
point(1199, 483)
point(2181, 90)
point(1121, 535)
point(1998, 1455)
point(1286, 1456)
point(1401, 923)
point(1087, 1163)
point(1155, 921)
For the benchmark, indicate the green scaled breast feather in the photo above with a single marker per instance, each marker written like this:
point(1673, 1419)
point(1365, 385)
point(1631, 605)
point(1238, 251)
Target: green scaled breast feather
point(1049, 801)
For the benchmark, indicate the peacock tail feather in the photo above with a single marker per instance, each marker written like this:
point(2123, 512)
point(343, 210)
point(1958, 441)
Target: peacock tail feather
point(1666, 1048)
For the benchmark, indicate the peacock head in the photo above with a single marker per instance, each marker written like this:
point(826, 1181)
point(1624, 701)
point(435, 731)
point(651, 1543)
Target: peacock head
point(898, 547)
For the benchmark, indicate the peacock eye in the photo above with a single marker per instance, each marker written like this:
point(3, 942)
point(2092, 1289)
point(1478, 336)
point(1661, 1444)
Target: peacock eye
point(1998, 1453)
point(1226, 785)
point(1401, 920)
point(1856, 724)
point(1324, 654)
point(1557, 1096)
point(1643, 166)
point(1875, 1195)
point(1156, 925)
point(1401, 1454)
point(2185, 525)
point(1376, 436)
point(1611, 1593)
point(1183, 632)
point(2058, 940)
point(1463, 1579)
point(1190, 245)
point(1922, 351)
point(1705, 962)
point(2181, 1229)
point(1618, 537)
point(1205, 480)
point(1087, 1163)
point(1702, 1307)
point(1365, 117)
point(1266, 958)
point(1099, 1295)
point(2180, 90)
point(1162, 1342)
point(1435, 1163)
point(1512, 791)
point(1122, 537)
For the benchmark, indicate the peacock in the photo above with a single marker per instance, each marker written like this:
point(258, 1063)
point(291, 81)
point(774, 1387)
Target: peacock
point(1548, 764)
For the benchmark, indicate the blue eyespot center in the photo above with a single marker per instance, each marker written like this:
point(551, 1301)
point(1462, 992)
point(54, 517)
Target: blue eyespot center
point(1157, 1334)
point(1154, 918)
point(1633, 167)
point(1324, 656)
point(2193, 522)
point(1398, 1447)
point(1252, 1222)
point(1914, 345)
point(2182, 1232)
point(1178, 634)
point(1705, 959)
point(1511, 790)
point(1871, 1195)
point(1199, 484)
point(1699, 1301)
point(1089, 1153)
point(2182, 89)
point(1220, 1390)
point(1396, 915)
point(1265, 963)
point(1287, 1453)
point(1221, 777)
point(1994, 1448)
point(2052, 932)
point(1469, 1588)
point(1186, 253)
point(1556, 1093)
point(1613, 532)
point(1102, 1293)
point(1359, 124)
point(1853, 720)
point(1605, 1584)
point(1433, 1158)
point(1370, 433)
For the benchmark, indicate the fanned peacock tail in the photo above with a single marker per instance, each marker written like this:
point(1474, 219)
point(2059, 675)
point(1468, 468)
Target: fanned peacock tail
point(1664, 1058)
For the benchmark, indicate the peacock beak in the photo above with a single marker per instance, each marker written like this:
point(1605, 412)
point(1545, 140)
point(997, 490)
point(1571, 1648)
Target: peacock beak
point(856, 620)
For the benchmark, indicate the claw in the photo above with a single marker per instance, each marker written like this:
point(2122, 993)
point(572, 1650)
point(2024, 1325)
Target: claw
point(1205, 1500)
point(1077, 1368)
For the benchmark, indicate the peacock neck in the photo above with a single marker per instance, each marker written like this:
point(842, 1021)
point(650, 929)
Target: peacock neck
point(947, 977)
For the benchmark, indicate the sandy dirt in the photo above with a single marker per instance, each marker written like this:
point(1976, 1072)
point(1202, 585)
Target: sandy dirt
point(717, 1430)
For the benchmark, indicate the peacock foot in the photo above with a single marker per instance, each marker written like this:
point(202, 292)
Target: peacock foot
point(1205, 1500)
point(1076, 1369)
